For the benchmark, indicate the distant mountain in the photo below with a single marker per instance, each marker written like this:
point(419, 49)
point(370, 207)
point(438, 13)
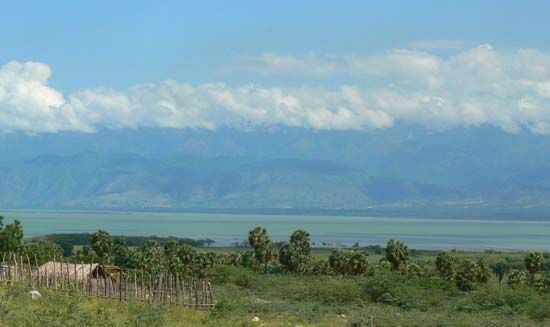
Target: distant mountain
point(403, 170)
point(127, 181)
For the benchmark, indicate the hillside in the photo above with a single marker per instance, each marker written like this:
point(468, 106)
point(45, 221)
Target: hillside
point(123, 181)
point(401, 171)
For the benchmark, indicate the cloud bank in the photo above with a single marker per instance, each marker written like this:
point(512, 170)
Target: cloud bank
point(474, 87)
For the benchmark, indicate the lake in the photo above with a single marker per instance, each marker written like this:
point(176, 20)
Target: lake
point(420, 233)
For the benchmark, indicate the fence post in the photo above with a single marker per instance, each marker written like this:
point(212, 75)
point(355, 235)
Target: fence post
point(31, 280)
point(82, 277)
point(54, 273)
point(15, 261)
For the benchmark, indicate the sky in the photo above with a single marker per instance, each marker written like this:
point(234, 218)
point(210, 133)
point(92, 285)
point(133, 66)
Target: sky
point(351, 65)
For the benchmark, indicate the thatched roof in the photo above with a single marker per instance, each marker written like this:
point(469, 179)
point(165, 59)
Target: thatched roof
point(82, 271)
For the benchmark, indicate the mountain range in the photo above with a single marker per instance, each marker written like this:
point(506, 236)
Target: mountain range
point(403, 171)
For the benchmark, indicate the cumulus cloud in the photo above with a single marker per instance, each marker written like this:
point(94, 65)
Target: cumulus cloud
point(28, 103)
point(478, 86)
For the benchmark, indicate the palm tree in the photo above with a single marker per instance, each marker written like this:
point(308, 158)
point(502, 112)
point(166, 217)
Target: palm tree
point(263, 246)
point(396, 253)
point(171, 255)
point(533, 261)
point(444, 263)
point(483, 272)
point(466, 275)
point(500, 269)
point(102, 244)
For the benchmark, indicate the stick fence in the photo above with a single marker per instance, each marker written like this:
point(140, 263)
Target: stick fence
point(109, 282)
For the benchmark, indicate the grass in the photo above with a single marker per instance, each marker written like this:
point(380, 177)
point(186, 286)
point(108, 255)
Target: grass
point(286, 300)
point(280, 299)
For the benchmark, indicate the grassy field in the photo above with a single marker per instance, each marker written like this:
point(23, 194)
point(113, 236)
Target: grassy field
point(280, 299)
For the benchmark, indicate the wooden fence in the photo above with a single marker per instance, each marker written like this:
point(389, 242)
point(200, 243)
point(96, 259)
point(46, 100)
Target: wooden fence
point(89, 279)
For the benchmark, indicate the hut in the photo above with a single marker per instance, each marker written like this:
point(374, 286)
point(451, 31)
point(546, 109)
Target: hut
point(95, 278)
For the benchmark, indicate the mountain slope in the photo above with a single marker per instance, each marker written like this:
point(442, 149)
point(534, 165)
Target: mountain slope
point(127, 181)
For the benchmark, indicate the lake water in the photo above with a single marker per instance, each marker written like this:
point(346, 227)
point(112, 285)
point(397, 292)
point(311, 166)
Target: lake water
point(468, 234)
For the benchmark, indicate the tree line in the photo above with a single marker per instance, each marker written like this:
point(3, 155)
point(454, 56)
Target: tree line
point(294, 256)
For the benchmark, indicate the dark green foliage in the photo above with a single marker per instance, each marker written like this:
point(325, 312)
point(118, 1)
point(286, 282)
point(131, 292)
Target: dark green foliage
point(102, 244)
point(500, 269)
point(67, 249)
point(320, 267)
point(152, 257)
point(397, 253)
point(541, 282)
point(445, 265)
point(517, 278)
point(466, 275)
point(131, 241)
point(173, 262)
point(483, 272)
point(533, 261)
point(123, 256)
point(295, 254)
point(11, 236)
point(42, 251)
point(352, 262)
point(263, 247)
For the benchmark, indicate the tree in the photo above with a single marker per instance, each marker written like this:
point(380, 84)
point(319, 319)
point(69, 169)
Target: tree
point(102, 244)
point(466, 275)
point(295, 254)
point(152, 257)
point(122, 255)
point(11, 236)
point(42, 251)
point(84, 254)
point(500, 269)
point(483, 272)
point(262, 245)
point(517, 278)
point(173, 263)
point(351, 262)
point(533, 261)
point(202, 264)
point(301, 242)
point(67, 248)
point(396, 253)
point(320, 267)
point(186, 255)
point(444, 264)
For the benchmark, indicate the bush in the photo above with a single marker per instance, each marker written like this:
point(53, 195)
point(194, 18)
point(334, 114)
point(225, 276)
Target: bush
point(466, 275)
point(517, 278)
point(352, 262)
point(444, 264)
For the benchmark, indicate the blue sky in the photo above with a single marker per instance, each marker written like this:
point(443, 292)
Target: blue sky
point(120, 43)
point(351, 65)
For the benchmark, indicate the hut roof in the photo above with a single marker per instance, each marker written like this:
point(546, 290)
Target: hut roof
point(82, 271)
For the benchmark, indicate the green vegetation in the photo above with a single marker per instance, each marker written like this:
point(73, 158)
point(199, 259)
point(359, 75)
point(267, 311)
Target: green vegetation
point(291, 284)
point(75, 239)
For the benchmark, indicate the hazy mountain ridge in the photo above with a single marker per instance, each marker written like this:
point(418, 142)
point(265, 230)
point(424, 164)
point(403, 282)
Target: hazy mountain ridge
point(132, 181)
point(398, 169)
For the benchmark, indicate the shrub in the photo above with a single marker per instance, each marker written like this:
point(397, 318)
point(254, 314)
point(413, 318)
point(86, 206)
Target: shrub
point(466, 275)
point(517, 278)
point(444, 264)
point(541, 282)
point(396, 253)
point(352, 262)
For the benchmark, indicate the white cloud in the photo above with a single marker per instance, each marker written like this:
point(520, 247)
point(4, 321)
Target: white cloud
point(28, 103)
point(478, 86)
